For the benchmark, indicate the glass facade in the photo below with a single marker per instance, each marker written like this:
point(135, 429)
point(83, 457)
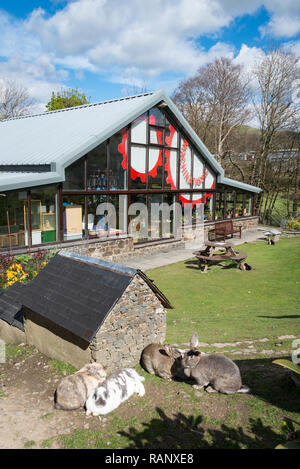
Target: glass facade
point(129, 183)
point(14, 219)
point(75, 176)
point(73, 210)
point(44, 213)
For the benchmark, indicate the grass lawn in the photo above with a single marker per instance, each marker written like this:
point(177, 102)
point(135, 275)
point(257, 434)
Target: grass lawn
point(227, 304)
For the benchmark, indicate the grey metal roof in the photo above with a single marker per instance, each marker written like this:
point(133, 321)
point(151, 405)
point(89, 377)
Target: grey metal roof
point(238, 185)
point(61, 137)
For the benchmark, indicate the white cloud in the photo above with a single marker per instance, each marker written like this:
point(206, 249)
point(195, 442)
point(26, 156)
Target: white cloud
point(249, 57)
point(130, 42)
point(285, 18)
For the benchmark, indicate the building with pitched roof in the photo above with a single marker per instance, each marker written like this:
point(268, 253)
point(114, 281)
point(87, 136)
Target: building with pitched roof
point(58, 170)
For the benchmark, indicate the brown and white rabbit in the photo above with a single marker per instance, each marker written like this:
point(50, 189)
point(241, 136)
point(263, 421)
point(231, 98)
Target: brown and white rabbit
point(160, 360)
point(213, 372)
point(72, 391)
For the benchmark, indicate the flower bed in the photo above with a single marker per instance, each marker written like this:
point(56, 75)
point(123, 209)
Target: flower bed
point(22, 268)
point(293, 225)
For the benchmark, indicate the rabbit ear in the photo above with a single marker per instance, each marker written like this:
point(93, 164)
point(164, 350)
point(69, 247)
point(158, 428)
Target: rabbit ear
point(194, 341)
point(168, 350)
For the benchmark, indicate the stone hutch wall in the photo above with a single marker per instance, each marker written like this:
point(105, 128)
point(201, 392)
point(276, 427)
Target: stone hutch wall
point(137, 320)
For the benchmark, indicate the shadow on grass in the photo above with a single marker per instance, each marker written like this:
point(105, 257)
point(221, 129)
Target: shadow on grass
point(186, 432)
point(270, 383)
point(223, 264)
point(292, 316)
point(272, 396)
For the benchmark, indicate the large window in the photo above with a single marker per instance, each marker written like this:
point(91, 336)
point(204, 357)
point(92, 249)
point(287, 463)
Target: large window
point(14, 220)
point(97, 177)
point(44, 214)
point(118, 160)
point(248, 205)
point(75, 176)
point(138, 167)
point(239, 204)
point(220, 197)
point(209, 208)
point(229, 204)
point(73, 217)
point(138, 217)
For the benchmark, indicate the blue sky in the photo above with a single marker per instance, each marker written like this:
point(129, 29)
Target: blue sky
point(109, 48)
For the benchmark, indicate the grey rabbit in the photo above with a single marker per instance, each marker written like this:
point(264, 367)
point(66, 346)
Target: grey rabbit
point(160, 360)
point(213, 372)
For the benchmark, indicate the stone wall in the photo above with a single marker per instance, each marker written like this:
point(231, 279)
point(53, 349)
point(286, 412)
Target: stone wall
point(11, 334)
point(206, 232)
point(108, 249)
point(137, 320)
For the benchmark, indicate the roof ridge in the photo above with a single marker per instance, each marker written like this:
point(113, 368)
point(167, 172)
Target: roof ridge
point(112, 266)
point(99, 103)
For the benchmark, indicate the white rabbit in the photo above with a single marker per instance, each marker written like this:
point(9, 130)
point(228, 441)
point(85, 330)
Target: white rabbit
point(117, 388)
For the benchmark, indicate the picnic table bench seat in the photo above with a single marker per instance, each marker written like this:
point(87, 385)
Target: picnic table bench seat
point(225, 228)
point(211, 255)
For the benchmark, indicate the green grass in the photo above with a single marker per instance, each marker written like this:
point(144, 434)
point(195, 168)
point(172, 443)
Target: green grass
point(49, 415)
point(62, 367)
point(17, 351)
point(227, 304)
point(29, 444)
point(280, 209)
point(223, 305)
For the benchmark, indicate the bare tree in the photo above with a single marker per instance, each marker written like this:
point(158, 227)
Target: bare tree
point(191, 99)
point(132, 89)
point(274, 106)
point(14, 99)
point(215, 102)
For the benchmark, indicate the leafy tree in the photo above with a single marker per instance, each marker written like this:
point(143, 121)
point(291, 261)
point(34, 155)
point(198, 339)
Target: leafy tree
point(67, 98)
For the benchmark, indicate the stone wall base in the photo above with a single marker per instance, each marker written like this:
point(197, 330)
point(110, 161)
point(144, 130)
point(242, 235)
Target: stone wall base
point(11, 334)
point(137, 320)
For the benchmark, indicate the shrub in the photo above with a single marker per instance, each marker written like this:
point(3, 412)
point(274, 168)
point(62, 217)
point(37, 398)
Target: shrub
point(22, 268)
point(293, 225)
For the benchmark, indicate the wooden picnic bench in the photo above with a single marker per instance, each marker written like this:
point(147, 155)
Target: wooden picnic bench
point(209, 256)
point(226, 228)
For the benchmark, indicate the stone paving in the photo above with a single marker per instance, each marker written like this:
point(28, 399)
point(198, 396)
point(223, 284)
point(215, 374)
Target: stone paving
point(248, 350)
point(169, 255)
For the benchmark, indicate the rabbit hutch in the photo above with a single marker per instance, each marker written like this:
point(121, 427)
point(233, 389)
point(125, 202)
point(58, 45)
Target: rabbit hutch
point(80, 309)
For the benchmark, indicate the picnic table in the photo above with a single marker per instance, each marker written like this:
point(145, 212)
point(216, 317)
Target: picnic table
point(216, 252)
